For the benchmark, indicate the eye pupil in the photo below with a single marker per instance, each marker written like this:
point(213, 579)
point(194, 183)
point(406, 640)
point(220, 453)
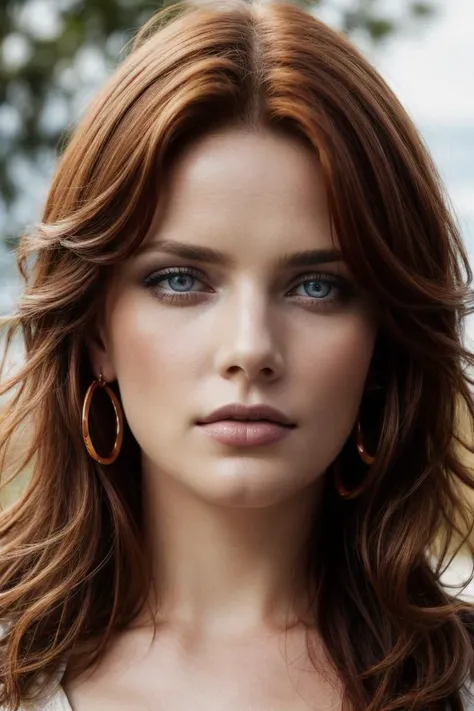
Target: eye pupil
point(320, 287)
point(180, 280)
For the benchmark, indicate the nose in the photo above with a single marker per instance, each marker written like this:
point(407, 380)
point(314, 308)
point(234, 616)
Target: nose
point(249, 344)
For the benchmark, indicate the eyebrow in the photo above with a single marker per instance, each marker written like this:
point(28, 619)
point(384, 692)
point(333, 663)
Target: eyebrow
point(206, 255)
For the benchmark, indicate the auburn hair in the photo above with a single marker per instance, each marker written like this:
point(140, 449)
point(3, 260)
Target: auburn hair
point(73, 570)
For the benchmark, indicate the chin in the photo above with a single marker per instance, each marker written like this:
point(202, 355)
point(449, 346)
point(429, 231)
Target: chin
point(246, 484)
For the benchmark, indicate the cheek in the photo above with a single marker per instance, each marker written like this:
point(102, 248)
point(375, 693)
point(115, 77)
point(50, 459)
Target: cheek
point(334, 367)
point(150, 354)
point(153, 363)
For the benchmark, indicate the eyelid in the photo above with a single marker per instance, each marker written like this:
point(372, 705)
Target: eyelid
point(318, 274)
point(341, 282)
point(158, 273)
point(345, 286)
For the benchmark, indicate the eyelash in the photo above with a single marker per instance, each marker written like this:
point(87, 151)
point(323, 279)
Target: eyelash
point(151, 282)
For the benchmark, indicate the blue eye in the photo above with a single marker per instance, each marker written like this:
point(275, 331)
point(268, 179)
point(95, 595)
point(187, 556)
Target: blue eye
point(319, 289)
point(178, 280)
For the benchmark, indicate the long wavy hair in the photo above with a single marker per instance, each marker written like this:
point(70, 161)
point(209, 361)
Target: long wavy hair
point(73, 570)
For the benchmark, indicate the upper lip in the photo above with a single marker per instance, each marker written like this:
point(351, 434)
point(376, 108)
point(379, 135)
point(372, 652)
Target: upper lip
point(236, 411)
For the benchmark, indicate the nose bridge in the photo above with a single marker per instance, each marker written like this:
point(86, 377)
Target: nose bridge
point(252, 317)
point(249, 340)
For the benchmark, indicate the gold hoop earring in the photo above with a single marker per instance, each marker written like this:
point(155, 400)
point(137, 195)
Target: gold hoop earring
point(366, 458)
point(101, 383)
point(363, 453)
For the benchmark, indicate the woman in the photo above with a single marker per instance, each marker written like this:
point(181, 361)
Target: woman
point(245, 375)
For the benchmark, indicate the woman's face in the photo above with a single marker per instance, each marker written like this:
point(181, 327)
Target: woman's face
point(185, 336)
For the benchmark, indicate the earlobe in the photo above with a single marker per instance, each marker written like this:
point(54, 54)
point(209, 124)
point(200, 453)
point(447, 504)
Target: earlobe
point(100, 356)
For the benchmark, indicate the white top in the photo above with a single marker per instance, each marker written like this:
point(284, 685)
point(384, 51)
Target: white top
point(57, 702)
point(53, 699)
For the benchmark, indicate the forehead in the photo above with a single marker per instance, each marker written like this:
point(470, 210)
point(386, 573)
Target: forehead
point(255, 166)
point(249, 186)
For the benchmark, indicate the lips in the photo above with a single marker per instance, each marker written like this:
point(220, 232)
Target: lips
point(248, 414)
point(249, 433)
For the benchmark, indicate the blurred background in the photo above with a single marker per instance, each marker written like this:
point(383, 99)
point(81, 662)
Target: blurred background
point(55, 54)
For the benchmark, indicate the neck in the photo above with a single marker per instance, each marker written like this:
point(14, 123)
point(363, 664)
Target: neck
point(222, 569)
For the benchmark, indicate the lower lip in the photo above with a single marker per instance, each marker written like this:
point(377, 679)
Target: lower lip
point(245, 434)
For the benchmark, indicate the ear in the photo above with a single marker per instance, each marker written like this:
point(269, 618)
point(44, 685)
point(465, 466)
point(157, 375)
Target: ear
point(100, 354)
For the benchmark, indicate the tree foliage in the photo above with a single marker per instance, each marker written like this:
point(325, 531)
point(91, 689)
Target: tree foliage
point(55, 53)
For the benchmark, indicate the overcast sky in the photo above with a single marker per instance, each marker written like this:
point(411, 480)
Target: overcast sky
point(432, 68)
